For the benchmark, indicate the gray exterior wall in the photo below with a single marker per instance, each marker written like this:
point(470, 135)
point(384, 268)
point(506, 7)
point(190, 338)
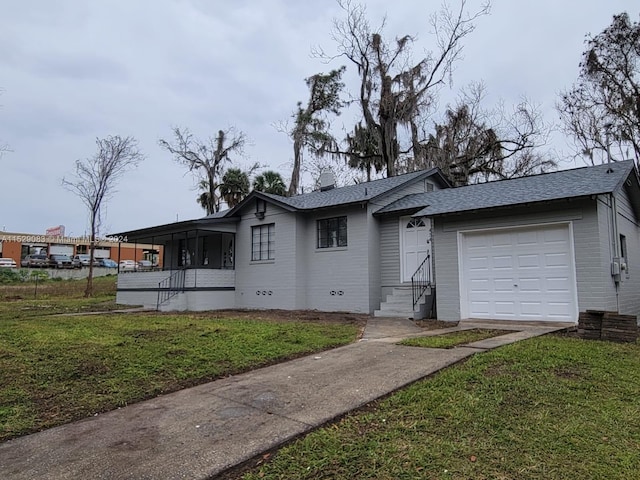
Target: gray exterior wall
point(304, 234)
point(588, 241)
point(267, 283)
point(629, 287)
point(602, 284)
point(374, 267)
point(338, 278)
point(389, 254)
point(302, 276)
point(140, 288)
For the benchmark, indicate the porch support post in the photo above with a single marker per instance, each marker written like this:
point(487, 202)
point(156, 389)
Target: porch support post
point(195, 273)
point(119, 257)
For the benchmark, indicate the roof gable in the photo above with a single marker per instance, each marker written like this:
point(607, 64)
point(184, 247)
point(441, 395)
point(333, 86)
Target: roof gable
point(362, 192)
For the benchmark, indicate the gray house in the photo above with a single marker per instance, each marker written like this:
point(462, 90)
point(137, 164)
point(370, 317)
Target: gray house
point(544, 247)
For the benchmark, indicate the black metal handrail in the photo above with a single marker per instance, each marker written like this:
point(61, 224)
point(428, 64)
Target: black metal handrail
point(421, 280)
point(170, 287)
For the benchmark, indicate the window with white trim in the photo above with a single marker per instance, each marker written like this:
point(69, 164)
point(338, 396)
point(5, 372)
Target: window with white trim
point(332, 232)
point(263, 242)
point(416, 222)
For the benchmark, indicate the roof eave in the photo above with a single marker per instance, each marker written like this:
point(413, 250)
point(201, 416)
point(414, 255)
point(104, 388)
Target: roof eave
point(398, 212)
point(255, 194)
point(174, 227)
point(504, 207)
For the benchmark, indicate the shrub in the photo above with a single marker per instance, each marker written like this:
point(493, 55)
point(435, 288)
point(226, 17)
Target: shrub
point(8, 275)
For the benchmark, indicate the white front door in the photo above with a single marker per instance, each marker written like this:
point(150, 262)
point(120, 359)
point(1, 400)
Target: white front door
point(415, 245)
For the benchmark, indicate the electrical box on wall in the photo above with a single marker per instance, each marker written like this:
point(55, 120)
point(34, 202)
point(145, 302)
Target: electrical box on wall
point(615, 270)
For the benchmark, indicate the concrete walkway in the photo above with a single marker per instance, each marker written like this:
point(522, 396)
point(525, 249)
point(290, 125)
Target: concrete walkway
point(200, 432)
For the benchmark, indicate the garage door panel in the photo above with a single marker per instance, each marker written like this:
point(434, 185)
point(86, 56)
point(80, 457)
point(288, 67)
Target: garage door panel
point(478, 242)
point(557, 284)
point(501, 285)
point(501, 239)
point(556, 260)
point(522, 273)
point(554, 235)
point(559, 309)
point(529, 261)
point(479, 263)
point(479, 286)
point(530, 285)
point(480, 308)
point(505, 308)
point(526, 239)
point(504, 262)
point(531, 309)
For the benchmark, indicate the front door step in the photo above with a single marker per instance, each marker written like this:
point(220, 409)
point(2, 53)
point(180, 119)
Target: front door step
point(400, 305)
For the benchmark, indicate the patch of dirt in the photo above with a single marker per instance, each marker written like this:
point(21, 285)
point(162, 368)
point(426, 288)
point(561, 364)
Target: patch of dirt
point(434, 324)
point(12, 298)
point(344, 318)
point(569, 373)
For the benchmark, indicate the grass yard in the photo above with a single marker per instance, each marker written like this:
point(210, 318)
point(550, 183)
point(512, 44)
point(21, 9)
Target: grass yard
point(453, 339)
point(58, 368)
point(48, 297)
point(551, 407)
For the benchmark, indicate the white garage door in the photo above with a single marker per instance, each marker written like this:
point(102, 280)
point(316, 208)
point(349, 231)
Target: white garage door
point(518, 274)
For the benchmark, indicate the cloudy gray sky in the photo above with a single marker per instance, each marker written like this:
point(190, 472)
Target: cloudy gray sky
point(71, 71)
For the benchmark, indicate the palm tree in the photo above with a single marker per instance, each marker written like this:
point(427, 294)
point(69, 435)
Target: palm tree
point(270, 182)
point(205, 200)
point(234, 186)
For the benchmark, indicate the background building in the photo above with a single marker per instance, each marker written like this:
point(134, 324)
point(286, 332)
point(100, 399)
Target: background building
point(19, 245)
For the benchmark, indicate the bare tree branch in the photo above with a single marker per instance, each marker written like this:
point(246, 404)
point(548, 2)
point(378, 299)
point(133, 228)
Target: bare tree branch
point(474, 144)
point(95, 179)
point(601, 112)
point(394, 90)
point(205, 160)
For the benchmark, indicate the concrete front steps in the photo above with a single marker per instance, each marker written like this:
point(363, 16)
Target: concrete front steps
point(400, 304)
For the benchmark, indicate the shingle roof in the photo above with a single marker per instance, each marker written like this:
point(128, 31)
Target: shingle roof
point(350, 194)
point(578, 182)
point(217, 214)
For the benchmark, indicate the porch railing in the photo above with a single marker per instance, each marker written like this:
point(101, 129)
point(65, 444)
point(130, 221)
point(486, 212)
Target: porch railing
point(421, 280)
point(170, 287)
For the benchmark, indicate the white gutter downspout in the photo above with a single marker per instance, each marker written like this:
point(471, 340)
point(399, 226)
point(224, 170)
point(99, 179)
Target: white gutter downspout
point(616, 267)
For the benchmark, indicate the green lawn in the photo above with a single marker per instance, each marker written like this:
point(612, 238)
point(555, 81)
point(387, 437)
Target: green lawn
point(453, 339)
point(31, 299)
point(552, 407)
point(57, 368)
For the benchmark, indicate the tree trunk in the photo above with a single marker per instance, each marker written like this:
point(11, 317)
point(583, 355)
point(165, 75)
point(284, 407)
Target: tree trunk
point(386, 116)
point(89, 290)
point(297, 161)
point(211, 201)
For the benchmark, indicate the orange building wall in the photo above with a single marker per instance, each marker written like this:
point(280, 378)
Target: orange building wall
point(128, 251)
point(12, 250)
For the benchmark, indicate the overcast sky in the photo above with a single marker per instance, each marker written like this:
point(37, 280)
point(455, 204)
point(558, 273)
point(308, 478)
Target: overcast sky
point(72, 70)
